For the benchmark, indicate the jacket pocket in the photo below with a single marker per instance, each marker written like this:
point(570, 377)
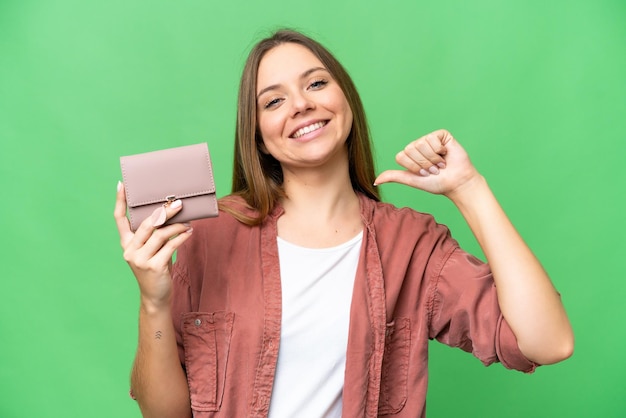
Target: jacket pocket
point(395, 368)
point(206, 340)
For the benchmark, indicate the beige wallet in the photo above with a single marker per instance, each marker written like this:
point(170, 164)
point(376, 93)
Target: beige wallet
point(153, 179)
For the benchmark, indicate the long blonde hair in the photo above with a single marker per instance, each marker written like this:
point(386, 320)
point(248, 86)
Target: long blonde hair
point(257, 176)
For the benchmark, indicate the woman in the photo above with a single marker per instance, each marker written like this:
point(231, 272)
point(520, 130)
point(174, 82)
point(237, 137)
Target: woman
point(309, 297)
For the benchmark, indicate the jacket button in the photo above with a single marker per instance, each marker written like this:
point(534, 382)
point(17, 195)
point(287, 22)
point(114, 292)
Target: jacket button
point(197, 322)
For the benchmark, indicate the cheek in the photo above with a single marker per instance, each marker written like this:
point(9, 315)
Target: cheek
point(348, 115)
point(268, 127)
point(341, 103)
point(348, 118)
point(267, 131)
point(262, 147)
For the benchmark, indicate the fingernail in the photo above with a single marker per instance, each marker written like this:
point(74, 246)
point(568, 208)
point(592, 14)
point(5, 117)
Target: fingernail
point(159, 216)
point(424, 173)
point(433, 170)
point(375, 184)
point(189, 231)
point(176, 204)
point(119, 185)
point(441, 165)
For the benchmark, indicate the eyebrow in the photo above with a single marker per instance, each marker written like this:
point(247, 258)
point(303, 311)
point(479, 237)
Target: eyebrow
point(303, 75)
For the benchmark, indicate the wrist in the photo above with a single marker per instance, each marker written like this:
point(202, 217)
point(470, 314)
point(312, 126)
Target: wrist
point(153, 307)
point(469, 192)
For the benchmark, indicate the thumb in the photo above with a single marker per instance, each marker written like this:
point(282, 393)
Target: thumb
point(397, 176)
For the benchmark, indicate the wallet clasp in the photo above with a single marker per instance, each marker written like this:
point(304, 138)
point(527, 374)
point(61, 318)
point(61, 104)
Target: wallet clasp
point(170, 198)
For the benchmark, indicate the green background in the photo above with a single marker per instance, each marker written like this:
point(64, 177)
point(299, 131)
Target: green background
point(534, 90)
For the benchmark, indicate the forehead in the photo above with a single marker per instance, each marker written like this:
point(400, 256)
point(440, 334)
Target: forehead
point(285, 62)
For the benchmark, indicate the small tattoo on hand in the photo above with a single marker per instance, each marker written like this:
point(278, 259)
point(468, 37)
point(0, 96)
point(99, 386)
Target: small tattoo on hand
point(158, 335)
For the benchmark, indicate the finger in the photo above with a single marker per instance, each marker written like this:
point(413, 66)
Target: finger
point(433, 150)
point(119, 213)
point(165, 212)
point(165, 254)
point(155, 220)
point(443, 136)
point(437, 141)
point(427, 153)
point(161, 237)
point(417, 165)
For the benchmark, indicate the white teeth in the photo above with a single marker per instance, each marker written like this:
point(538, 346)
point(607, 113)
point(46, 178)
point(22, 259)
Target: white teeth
point(308, 129)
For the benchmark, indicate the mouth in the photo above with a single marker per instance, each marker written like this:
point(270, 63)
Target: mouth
point(309, 128)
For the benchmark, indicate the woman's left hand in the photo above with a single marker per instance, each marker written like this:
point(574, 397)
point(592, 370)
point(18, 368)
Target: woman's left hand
point(435, 163)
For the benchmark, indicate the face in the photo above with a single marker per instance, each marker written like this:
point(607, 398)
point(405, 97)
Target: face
point(303, 115)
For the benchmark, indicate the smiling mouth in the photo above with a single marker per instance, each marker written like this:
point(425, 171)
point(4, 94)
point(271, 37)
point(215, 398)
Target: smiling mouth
point(312, 127)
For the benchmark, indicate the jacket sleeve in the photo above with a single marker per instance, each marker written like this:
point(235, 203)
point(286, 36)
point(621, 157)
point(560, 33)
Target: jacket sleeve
point(464, 312)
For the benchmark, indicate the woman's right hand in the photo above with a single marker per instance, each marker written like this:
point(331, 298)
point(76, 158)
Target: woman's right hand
point(149, 250)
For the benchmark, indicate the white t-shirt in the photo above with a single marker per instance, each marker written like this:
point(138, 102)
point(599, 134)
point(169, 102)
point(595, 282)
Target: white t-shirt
point(317, 289)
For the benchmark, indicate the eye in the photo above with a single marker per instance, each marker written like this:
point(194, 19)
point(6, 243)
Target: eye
point(318, 84)
point(271, 103)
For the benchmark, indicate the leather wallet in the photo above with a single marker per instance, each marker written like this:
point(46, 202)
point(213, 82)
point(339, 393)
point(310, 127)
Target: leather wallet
point(155, 178)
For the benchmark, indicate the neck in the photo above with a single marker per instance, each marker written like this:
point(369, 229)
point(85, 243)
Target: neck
point(321, 208)
point(320, 191)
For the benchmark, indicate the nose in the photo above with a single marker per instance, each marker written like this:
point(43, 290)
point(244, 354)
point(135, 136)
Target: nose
point(301, 103)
